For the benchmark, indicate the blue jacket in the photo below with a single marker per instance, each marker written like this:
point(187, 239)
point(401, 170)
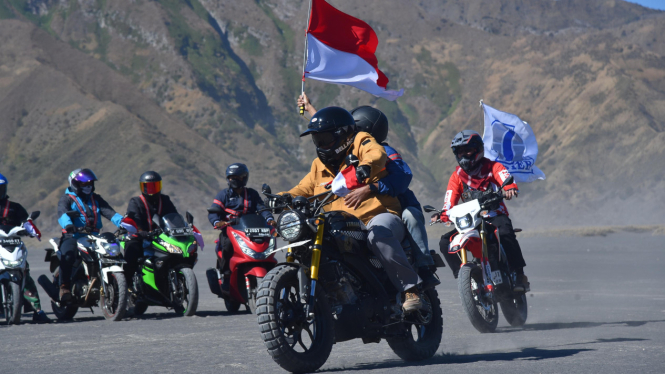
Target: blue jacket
point(396, 183)
point(70, 201)
point(248, 202)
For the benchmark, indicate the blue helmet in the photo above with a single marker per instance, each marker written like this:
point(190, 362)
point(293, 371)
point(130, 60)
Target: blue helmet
point(3, 187)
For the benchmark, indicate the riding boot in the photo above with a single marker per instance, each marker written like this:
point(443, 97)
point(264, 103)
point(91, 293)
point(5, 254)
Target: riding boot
point(65, 294)
point(412, 300)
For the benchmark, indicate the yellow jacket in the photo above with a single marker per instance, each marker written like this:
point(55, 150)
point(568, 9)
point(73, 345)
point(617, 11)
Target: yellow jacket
point(369, 152)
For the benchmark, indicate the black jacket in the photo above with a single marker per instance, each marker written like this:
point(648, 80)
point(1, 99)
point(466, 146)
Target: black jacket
point(234, 205)
point(136, 210)
point(13, 214)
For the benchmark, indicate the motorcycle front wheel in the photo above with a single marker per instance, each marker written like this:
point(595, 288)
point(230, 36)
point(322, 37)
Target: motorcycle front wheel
point(295, 344)
point(185, 292)
point(482, 312)
point(11, 295)
point(114, 301)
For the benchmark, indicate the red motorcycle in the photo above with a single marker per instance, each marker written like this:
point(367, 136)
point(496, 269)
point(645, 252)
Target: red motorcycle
point(253, 256)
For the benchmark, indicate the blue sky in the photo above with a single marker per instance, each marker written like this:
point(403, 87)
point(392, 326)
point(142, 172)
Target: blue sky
point(655, 4)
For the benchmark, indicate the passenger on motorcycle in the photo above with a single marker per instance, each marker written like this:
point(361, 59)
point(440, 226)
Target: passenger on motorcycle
point(237, 200)
point(79, 197)
point(335, 136)
point(395, 184)
point(13, 214)
point(139, 218)
point(477, 173)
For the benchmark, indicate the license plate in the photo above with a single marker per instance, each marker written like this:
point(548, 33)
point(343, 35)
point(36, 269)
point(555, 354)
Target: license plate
point(10, 242)
point(496, 277)
point(182, 231)
point(258, 232)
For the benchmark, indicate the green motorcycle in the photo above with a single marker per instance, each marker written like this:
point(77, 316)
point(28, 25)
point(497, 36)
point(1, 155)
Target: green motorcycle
point(165, 275)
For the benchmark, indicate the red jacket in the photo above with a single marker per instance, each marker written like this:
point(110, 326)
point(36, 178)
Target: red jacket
point(491, 174)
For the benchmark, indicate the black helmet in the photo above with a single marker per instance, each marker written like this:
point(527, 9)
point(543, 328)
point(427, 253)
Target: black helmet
point(371, 120)
point(3, 187)
point(150, 183)
point(333, 130)
point(240, 170)
point(464, 140)
point(81, 177)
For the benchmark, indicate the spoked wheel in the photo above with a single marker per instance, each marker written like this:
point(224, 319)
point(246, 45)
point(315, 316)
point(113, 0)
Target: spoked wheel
point(11, 297)
point(185, 291)
point(295, 343)
point(515, 310)
point(482, 311)
point(114, 301)
point(423, 334)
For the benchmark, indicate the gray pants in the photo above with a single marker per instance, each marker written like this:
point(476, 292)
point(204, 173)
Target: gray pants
point(414, 220)
point(386, 232)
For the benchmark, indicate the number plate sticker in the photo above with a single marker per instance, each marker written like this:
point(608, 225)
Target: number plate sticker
point(496, 277)
point(10, 242)
point(183, 231)
point(254, 232)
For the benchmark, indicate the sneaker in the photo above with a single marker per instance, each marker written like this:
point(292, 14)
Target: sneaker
point(40, 317)
point(429, 280)
point(522, 284)
point(412, 301)
point(65, 294)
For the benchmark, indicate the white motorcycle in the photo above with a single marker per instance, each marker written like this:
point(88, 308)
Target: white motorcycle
point(485, 278)
point(13, 259)
point(97, 276)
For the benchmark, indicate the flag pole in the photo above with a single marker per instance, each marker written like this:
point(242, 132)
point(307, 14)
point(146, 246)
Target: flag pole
point(304, 58)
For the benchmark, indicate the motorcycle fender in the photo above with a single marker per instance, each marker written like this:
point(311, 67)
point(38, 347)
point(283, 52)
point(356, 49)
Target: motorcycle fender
point(258, 272)
point(110, 269)
point(12, 276)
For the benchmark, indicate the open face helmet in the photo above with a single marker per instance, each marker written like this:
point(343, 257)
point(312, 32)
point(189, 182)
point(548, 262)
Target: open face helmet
point(150, 183)
point(333, 130)
point(237, 175)
point(82, 181)
point(469, 149)
point(371, 120)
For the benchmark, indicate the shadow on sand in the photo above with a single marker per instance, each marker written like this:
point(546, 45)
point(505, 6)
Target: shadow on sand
point(572, 325)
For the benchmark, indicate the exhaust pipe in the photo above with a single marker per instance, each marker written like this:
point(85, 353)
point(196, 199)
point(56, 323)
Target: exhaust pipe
point(49, 287)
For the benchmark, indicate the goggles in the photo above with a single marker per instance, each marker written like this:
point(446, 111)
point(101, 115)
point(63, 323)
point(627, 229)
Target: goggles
point(324, 140)
point(151, 188)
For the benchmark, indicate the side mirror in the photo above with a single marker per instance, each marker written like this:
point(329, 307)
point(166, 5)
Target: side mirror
point(508, 181)
point(72, 214)
point(216, 209)
point(429, 209)
point(266, 189)
point(190, 218)
point(34, 215)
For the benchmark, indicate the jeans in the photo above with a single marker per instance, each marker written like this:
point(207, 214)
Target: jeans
point(414, 220)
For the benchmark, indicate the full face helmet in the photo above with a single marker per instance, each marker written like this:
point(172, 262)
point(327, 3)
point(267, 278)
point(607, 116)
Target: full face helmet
point(333, 130)
point(82, 181)
point(237, 175)
point(150, 183)
point(469, 149)
point(371, 120)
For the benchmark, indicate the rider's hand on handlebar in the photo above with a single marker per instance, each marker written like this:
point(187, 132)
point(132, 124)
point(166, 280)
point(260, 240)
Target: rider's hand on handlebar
point(272, 223)
point(511, 193)
point(220, 224)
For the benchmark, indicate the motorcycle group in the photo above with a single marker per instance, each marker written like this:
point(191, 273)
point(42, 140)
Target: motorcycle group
point(358, 264)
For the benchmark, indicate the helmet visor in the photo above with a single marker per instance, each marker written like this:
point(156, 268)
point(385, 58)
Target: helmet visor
point(151, 188)
point(324, 140)
point(85, 176)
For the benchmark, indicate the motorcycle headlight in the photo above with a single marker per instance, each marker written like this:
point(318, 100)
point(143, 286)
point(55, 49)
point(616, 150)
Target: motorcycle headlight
point(290, 226)
point(12, 264)
point(112, 249)
point(246, 250)
point(464, 222)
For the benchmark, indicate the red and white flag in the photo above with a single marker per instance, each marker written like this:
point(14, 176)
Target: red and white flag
point(340, 49)
point(345, 182)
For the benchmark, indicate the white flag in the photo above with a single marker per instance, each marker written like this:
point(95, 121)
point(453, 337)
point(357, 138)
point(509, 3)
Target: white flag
point(511, 141)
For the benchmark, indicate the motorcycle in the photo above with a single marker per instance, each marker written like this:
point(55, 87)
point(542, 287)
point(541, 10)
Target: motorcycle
point(165, 275)
point(253, 241)
point(485, 279)
point(97, 276)
point(13, 256)
point(333, 289)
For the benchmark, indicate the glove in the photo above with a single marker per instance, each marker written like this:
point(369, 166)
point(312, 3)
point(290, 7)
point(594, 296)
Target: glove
point(363, 172)
point(444, 217)
point(70, 229)
point(32, 230)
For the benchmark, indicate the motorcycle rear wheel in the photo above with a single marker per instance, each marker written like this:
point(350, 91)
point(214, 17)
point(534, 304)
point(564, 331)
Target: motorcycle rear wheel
point(114, 302)
point(470, 280)
point(515, 310)
point(12, 307)
point(295, 344)
point(232, 306)
point(422, 341)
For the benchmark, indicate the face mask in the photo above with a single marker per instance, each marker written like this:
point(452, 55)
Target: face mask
point(86, 190)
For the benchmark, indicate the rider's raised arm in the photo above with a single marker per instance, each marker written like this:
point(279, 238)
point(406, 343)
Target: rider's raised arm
point(64, 206)
point(399, 175)
point(108, 212)
point(370, 153)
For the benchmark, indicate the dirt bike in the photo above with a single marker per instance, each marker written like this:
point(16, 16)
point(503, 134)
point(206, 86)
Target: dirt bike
point(485, 279)
point(13, 256)
point(165, 275)
point(97, 276)
point(333, 289)
point(253, 243)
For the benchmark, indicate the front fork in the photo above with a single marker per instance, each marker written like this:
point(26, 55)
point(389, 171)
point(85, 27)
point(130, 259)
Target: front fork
point(314, 267)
